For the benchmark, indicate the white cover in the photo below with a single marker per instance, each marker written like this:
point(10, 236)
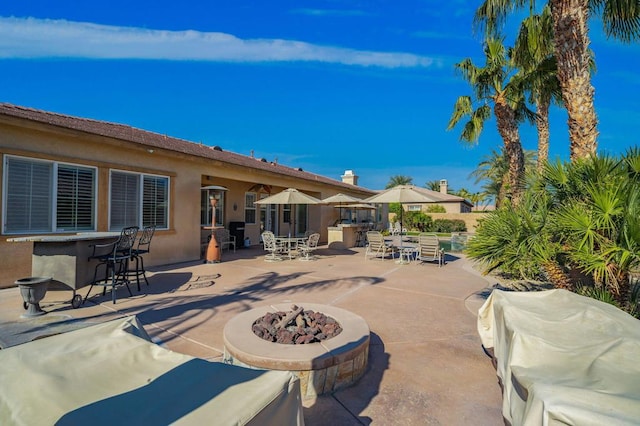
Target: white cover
point(563, 358)
point(113, 374)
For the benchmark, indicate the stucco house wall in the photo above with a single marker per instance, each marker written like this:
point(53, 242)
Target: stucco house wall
point(189, 166)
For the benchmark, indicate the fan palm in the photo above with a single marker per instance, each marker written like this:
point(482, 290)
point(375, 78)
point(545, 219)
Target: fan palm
point(621, 19)
point(492, 170)
point(399, 180)
point(492, 84)
point(533, 54)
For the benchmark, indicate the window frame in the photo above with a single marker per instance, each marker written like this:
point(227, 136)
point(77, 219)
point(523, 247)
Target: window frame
point(53, 195)
point(140, 202)
point(250, 207)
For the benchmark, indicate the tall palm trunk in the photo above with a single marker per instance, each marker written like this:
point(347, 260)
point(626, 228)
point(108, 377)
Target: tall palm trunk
point(572, 50)
point(542, 125)
point(508, 129)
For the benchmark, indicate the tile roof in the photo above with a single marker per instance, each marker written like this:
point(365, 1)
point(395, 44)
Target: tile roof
point(156, 140)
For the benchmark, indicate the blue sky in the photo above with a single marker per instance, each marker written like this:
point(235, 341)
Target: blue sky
point(326, 85)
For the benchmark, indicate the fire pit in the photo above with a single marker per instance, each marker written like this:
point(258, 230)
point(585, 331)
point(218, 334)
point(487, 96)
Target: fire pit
point(323, 367)
point(296, 327)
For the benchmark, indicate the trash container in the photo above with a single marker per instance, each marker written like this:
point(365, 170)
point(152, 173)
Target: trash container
point(237, 229)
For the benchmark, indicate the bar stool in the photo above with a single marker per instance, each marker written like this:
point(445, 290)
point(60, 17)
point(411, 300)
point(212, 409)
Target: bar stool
point(143, 247)
point(114, 257)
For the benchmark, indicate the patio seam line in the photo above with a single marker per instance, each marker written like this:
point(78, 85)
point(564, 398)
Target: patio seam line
point(360, 286)
point(356, 418)
point(427, 341)
point(421, 293)
point(160, 342)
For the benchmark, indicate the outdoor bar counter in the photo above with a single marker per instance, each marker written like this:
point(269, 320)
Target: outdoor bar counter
point(345, 235)
point(65, 258)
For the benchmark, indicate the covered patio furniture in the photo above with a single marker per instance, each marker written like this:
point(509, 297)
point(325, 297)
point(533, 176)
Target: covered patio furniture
point(377, 247)
point(113, 374)
point(562, 358)
point(308, 246)
point(429, 250)
point(114, 257)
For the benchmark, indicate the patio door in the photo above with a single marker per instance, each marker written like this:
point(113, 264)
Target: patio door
point(268, 217)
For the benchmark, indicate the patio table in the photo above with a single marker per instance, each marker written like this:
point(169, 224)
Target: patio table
point(290, 243)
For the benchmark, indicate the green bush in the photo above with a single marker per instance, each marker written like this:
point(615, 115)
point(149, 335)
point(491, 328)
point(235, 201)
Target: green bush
point(418, 221)
point(579, 223)
point(448, 225)
point(436, 208)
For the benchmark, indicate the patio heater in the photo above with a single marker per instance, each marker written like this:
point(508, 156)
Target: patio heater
point(214, 254)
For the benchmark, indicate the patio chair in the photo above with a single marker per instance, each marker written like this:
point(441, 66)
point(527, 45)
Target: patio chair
point(377, 247)
point(114, 257)
point(225, 239)
point(309, 246)
point(429, 249)
point(143, 247)
point(271, 245)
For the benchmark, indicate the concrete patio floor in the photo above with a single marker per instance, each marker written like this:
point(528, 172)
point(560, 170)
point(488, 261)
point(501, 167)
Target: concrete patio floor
point(426, 364)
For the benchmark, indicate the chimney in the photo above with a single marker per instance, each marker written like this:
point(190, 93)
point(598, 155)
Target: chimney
point(349, 177)
point(443, 186)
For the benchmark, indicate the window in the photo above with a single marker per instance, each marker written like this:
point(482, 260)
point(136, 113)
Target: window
point(138, 200)
point(48, 196)
point(205, 208)
point(286, 213)
point(250, 207)
point(301, 219)
point(414, 207)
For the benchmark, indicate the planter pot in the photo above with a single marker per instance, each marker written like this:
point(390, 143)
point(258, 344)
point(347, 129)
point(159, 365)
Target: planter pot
point(33, 290)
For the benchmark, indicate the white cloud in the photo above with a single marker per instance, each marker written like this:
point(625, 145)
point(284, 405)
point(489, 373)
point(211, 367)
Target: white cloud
point(44, 38)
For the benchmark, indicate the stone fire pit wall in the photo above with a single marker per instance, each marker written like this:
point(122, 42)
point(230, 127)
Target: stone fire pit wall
point(322, 367)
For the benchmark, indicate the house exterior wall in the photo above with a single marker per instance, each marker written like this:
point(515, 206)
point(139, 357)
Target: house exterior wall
point(187, 174)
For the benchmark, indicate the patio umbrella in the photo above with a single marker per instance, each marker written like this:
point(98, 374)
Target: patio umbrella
point(290, 196)
point(402, 194)
point(340, 199)
point(357, 206)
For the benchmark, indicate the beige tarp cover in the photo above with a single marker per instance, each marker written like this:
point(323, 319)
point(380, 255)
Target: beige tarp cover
point(113, 374)
point(563, 358)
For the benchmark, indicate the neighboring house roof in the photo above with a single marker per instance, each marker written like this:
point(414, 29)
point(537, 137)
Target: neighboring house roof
point(155, 140)
point(443, 198)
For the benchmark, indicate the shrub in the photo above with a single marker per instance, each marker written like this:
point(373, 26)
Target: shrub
point(449, 225)
point(436, 208)
point(418, 220)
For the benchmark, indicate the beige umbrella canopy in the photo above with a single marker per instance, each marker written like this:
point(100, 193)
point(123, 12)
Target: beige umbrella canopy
point(359, 206)
point(402, 194)
point(340, 199)
point(290, 196)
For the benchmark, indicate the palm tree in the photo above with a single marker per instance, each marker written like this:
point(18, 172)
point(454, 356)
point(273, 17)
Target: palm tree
point(479, 199)
point(533, 54)
point(433, 185)
point(492, 170)
point(596, 215)
point(621, 20)
point(399, 180)
point(463, 192)
point(493, 84)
